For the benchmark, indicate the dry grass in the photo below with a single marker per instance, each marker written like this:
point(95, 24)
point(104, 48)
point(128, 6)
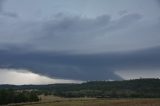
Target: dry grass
point(55, 101)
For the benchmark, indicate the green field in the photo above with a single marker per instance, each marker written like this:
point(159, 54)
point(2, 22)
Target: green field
point(56, 101)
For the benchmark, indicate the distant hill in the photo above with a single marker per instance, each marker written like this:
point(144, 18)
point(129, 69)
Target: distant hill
point(138, 88)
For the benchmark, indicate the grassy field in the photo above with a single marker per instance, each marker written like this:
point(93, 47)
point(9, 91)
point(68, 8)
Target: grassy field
point(55, 101)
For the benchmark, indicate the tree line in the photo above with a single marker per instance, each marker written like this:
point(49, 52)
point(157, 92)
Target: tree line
point(137, 88)
point(13, 96)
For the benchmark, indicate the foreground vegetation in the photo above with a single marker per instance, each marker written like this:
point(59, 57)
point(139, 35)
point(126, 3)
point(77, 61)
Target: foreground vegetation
point(138, 88)
point(99, 102)
point(8, 96)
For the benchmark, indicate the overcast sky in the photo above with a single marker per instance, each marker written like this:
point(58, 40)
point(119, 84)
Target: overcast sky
point(66, 40)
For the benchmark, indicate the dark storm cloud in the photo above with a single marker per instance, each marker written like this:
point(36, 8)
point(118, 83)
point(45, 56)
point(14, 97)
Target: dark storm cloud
point(78, 26)
point(9, 14)
point(64, 33)
point(1, 4)
point(82, 67)
point(5, 13)
point(158, 1)
point(75, 32)
point(32, 46)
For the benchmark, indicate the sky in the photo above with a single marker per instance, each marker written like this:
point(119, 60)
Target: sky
point(68, 41)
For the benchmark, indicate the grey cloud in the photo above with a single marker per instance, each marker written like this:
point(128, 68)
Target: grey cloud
point(9, 14)
point(82, 67)
point(1, 4)
point(5, 13)
point(122, 12)
point(74, 26)
point(80, 34)
point(34, 46)
point(158, 1)
point(125, 21)
point(79, 47)
point(62, 33)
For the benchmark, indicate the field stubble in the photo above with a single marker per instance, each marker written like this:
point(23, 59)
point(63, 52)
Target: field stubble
point(56, 101)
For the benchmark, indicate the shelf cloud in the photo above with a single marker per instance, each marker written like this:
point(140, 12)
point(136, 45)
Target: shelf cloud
point(54, 39)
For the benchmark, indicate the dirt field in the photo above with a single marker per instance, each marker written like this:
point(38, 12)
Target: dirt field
point(55, 101)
